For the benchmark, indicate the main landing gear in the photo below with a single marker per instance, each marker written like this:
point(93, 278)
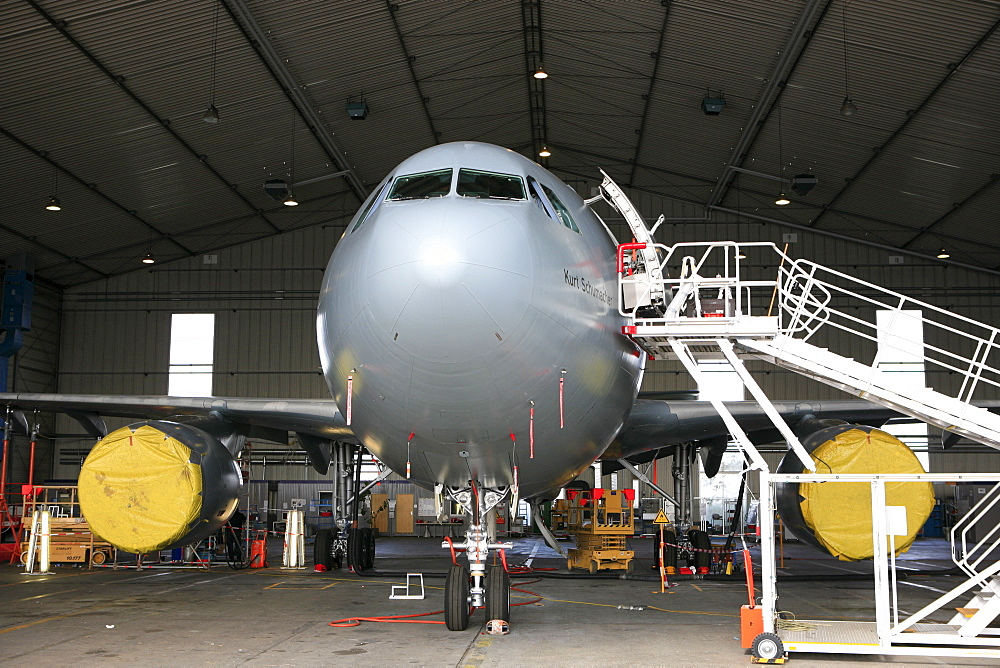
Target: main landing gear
point(476, 585)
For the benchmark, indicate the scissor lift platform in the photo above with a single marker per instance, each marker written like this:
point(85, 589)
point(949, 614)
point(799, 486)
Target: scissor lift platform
point(601, 520)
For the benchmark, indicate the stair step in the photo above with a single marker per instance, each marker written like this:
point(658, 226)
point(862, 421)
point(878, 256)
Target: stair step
point(967, 612)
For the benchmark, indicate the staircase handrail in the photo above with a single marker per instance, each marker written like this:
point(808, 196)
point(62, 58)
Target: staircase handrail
point(808, 297)
point(969, 558)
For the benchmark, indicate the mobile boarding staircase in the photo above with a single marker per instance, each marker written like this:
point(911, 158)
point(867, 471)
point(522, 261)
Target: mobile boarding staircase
point(727, 301)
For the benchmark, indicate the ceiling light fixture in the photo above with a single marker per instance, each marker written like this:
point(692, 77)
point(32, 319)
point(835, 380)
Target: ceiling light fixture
point(290, 199)
point(54, 204)
point(545, 152)
point(540, 73)
point(782, 200)
point(943, 254)
point(148, 259)
point(848, 108)
point(211, 114)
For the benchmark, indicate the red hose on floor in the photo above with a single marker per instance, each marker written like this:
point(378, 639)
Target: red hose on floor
point(389, 619)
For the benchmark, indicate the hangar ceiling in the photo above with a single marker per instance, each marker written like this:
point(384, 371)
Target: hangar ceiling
point(102, 106)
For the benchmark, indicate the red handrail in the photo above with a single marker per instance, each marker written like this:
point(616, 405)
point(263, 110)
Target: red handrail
point(621, 252)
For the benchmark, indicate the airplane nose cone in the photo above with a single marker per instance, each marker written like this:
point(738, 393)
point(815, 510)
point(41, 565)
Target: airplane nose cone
point(448, 280)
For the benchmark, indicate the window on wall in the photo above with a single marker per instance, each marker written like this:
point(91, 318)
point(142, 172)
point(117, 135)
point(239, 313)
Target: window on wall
point(718, 495)
point(901, 354)
point(192, 354)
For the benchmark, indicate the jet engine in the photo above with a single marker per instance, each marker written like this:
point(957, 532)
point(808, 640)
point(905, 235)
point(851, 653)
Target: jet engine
point(837, 516)
point(154, 485)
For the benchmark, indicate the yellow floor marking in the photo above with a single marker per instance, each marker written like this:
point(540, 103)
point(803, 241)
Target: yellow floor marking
point(55, 593)
point(46, 578)
point(697, 587)
point(57, 617)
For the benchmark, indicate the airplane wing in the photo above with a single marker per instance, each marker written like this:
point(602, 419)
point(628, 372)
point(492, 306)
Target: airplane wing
point(315, 421)
point(655, 426)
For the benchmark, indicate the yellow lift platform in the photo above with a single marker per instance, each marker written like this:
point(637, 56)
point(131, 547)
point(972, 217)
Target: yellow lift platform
point(601, 520)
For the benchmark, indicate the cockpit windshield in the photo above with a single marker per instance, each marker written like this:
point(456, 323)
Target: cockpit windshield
point(421, 186)
point(489, 185)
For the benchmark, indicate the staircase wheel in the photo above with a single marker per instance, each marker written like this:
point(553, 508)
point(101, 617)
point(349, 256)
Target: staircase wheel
point(456, 598)
point(767, 646)
point(98, 558)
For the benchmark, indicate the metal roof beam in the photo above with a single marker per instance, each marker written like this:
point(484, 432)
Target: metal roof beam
point(858, 240)
point(802, 32)
point(163, 122)
point(647, 98)
point(219, 223)
point(841, 212)
point(953, 69)
point(89, 186)
point(275, 64)
point(954, 207)
point(410, 59)
point(348, 215)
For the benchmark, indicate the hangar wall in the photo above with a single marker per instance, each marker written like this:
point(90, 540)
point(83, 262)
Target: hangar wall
point(115, 332)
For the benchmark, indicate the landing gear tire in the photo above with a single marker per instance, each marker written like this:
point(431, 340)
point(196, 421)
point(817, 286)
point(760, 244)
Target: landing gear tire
point(323, 549)
point(497, 594)
point(701, 541)
point(356, 550)
point(456, 598)
point(767, 646)
point(669, 551)
point(368, 540)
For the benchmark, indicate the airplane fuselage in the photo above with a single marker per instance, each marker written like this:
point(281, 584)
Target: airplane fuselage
point(468, 317)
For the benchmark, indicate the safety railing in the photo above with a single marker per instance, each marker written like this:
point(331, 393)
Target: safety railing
point(728, 281)
point(705, 280)
point(959, 354)
point(976, 537)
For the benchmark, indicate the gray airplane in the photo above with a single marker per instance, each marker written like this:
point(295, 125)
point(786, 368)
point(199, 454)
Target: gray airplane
point(470, 338)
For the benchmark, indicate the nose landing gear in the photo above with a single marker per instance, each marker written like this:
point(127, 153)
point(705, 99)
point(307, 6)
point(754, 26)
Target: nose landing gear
point(476, 586)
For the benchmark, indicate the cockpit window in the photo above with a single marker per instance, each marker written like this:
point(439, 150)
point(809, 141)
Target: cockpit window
point(370, 206)
point(561, 211)
point(421, 186)
point(489, 185)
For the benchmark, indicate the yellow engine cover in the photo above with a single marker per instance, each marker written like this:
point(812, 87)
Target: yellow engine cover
point(139, 490)
point(840, 513)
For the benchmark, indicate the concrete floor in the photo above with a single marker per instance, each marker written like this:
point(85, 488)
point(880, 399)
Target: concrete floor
point(271, 617)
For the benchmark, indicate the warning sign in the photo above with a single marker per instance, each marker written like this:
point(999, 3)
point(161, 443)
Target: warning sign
point(661, 518)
